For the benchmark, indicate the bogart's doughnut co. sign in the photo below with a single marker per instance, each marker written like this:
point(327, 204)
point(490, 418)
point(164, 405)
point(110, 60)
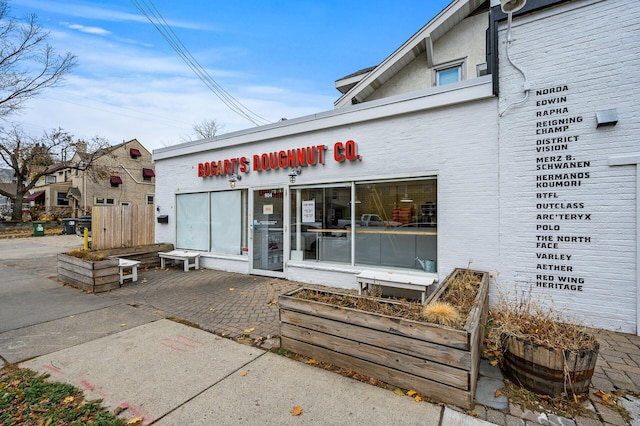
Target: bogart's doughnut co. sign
point(284, 159)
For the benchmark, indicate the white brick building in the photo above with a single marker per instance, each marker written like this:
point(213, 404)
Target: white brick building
point(463, 173)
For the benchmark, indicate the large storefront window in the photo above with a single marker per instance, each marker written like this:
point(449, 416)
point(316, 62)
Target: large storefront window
point(211, 222)
point(227, 217)
point(321, 223)
point(397, 224)
point(192, 217)
point(394, 225)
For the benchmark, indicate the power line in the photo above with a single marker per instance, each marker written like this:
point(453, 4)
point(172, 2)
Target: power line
point(153, 15)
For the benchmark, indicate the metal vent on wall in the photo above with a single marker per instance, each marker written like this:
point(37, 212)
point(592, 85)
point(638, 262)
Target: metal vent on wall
point(481, 69)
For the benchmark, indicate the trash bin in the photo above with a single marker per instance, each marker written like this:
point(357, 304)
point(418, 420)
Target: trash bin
point(83, 222)
point(69, 225)
point(38, 229)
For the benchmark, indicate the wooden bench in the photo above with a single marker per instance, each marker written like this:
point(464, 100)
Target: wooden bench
point(126, 264)
point(185, 256)
point(396, 280)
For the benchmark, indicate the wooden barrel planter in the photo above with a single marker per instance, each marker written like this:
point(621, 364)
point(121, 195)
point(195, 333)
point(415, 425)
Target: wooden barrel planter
point(437, 361)
point(546, 370)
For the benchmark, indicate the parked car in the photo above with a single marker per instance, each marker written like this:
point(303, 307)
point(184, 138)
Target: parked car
point(369, 219)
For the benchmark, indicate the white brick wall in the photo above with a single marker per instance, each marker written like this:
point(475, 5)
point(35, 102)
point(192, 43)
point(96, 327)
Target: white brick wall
point(486, 166)
point(591, 47)
point(456, 144)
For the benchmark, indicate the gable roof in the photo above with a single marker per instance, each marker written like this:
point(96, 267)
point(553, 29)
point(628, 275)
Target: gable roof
point(419, 44)
point(109, 149)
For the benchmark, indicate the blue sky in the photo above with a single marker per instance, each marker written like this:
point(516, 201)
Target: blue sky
point(278, 58)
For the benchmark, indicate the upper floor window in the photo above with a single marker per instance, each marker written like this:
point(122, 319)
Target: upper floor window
point(115, 181)
point(147, 174)
point(149, 199)
point(448, 75)
point(135, 153)
point(50, 179)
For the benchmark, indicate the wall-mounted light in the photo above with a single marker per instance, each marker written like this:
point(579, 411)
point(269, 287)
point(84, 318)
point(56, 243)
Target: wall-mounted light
point(606, 117)
point(295, 172)
point(233, 179)
point(512, 5)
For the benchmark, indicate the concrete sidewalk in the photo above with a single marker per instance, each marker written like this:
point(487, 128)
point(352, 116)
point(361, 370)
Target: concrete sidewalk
point(119, 347)
point(172, 374)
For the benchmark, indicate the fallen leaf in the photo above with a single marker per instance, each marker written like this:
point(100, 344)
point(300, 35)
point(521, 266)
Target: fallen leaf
point(417, 398)
point(243, 373)
point(123, 325)
point(250, 330)
point(231, 289)
point(411, 392)
point(273, 302)
point(605, 397)
point(296, 411)
point(497, 393)
point(135, 421)
point(398, 391)
point(494, 362)
point(67, 399)
point(212, 309)
point(312, 361)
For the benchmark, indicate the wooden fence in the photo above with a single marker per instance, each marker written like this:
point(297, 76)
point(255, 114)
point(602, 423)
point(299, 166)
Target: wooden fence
point(122, 226)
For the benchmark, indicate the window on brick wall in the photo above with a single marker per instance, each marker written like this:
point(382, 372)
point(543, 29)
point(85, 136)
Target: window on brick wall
point(395, 223)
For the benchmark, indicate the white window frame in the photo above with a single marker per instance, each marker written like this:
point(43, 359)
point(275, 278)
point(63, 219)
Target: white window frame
point(445, 66)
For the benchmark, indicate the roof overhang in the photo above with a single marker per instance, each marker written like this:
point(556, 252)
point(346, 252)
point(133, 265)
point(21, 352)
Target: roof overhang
point(419, 44)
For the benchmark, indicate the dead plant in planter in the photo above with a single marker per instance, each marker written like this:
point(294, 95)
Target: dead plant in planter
point(542, 350)
point(453, 306)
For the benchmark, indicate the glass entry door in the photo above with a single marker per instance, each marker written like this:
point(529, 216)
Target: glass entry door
point(268, 232)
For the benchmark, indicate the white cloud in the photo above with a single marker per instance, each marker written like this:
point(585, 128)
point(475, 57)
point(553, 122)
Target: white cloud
point(109, 13)
point(88, 30)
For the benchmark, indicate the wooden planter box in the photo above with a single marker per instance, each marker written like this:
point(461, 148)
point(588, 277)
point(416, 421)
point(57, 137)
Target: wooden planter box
point(98, 276)
point(439, 362)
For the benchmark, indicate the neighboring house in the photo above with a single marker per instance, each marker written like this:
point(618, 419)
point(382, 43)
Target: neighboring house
point(123, 174)
point(120, 175)
point(449, 49)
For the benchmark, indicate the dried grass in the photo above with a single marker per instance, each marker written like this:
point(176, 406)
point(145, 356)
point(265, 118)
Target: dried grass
point(92, 256)
point(373, 303)
point(461, 291)
point(460, 295)
point(442, 313)
point(529, 320)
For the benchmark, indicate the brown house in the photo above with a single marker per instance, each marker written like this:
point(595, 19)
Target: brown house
point(123, 174)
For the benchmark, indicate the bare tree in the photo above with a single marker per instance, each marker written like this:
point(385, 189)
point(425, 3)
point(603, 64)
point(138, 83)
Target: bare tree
point(28, 64)
point(32, 158)
point(206, 129)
